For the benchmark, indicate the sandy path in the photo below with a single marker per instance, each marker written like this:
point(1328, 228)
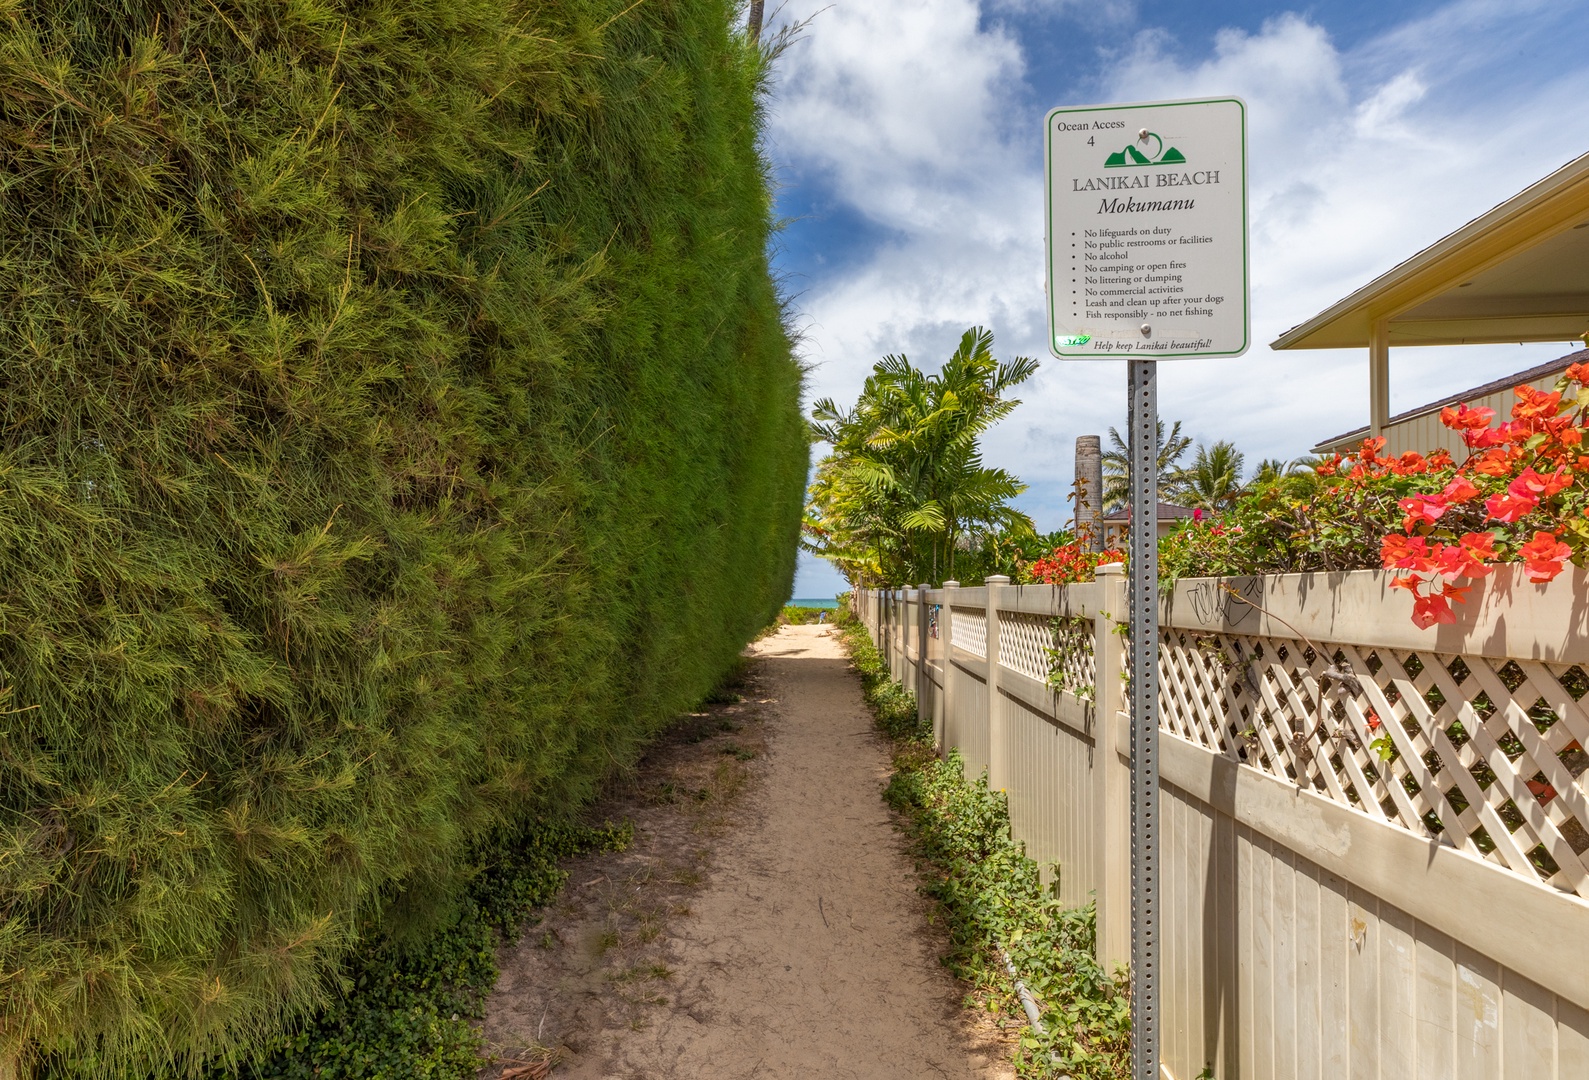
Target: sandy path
point(807, 952)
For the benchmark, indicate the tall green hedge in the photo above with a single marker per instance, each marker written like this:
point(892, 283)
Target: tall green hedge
point(399, 424)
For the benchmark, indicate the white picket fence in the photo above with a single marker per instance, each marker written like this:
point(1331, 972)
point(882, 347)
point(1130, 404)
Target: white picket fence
point(1328, 913)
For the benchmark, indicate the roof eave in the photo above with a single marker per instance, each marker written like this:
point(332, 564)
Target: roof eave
point(1546, 207)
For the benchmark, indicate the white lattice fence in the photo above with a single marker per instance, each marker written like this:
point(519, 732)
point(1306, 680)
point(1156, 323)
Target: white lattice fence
point(1410, 852)
point(1485, 754)
point(1025, 642)
point(1072, 662)
point(971, 631)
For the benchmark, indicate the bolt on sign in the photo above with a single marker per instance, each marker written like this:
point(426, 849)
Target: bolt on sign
point(1147, 229)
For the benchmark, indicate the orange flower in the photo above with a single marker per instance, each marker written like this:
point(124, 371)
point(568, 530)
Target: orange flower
point(1535, 404)
point(1481, 545)
point(1544, 557)
point(1405, 553)
point(1421, 509)
point(1410, 464)
point(1460, 489)
point(1511, 506)
point(1463, 418)
point(1468, 558)
point(1369, 452)
point(1541, 790)
point(1496, 462)
point(1431, 609)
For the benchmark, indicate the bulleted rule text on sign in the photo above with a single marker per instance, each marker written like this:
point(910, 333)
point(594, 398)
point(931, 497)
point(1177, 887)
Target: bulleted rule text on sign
point(1147, 230)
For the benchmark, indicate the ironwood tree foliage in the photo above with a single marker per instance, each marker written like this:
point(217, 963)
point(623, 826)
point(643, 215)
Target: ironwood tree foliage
point(399, 423)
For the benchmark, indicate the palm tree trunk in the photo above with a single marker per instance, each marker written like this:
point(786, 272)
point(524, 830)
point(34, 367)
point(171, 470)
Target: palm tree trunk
point(753, 25)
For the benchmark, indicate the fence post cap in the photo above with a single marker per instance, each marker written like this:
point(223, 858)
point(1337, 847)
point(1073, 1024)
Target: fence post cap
point(998, 579)
point(951, 584)
point(1112, 569)
point(924, 586)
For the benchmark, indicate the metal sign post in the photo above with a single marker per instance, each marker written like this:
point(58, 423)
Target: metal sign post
point(1143, 583)
point(1147, 260)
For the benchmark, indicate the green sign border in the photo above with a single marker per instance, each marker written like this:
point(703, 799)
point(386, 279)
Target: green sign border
point(1048, 217)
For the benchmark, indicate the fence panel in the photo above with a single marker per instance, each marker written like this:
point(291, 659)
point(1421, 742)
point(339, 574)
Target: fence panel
point(1375, 850)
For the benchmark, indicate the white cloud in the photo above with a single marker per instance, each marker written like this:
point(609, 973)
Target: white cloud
point(1092, 12)
point(917, 118)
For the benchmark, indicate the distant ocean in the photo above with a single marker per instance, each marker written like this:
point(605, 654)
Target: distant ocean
point(830, 603)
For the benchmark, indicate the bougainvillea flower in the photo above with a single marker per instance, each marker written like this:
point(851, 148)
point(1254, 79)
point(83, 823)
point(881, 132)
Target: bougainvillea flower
point(1368, 453)
point(1496, 462)
point(1577, 373)
point(1421, 509)
point(1398, 552)
point(1371, 718)
point(1541, 790)
point(1510, 507)
point(1411, 583)
point(1535, 404)
point(1461, 489)
point(1479, 545)
point(1544, 557)
point(1411, 463)
point(1431, 609)
point(1463, 418)
point(1071, 563)
point(1531, 483)
point(1502, 435)
point(1469, 558)
point(1440, 459)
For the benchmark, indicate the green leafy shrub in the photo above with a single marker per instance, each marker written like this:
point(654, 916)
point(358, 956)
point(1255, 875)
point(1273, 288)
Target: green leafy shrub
point(408, 1009)
point(399, 425)
point(992, 897)
point(892, 705)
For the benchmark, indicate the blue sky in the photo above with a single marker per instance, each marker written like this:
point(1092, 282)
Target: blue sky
point(906, 137)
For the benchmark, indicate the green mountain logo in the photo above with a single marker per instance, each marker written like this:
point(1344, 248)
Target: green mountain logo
point(1131, 157)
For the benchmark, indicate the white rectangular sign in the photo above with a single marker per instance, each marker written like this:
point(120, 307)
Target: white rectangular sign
point(1147, 229)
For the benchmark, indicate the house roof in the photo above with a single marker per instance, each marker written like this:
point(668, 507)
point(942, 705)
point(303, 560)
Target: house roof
point(1528, 375)
point(1519, 272)
point(1167, 512)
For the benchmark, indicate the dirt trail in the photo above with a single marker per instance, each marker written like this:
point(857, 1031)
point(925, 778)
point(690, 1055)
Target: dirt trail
point(781, 938)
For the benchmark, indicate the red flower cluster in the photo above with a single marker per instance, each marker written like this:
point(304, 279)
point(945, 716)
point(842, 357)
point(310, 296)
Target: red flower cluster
point(1529, 466)
point(1071, 563)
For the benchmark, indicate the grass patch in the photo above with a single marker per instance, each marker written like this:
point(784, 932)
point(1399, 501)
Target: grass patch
point(989, 894)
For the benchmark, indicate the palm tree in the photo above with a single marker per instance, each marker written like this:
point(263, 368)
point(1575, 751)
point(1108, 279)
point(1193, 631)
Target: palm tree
point(1296, 477)
point(1117, 464)
point(1213, 480)
point(1270, 470)
point(905, 487)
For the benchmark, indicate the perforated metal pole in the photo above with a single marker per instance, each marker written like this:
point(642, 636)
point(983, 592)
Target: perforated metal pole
point(1144, 607)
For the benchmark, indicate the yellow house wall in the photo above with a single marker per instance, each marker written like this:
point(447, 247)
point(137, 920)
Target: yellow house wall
point(1426, 434)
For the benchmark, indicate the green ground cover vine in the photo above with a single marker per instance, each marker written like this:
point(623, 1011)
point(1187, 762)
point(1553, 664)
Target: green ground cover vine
point(991, 895)
point(410, 1007)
